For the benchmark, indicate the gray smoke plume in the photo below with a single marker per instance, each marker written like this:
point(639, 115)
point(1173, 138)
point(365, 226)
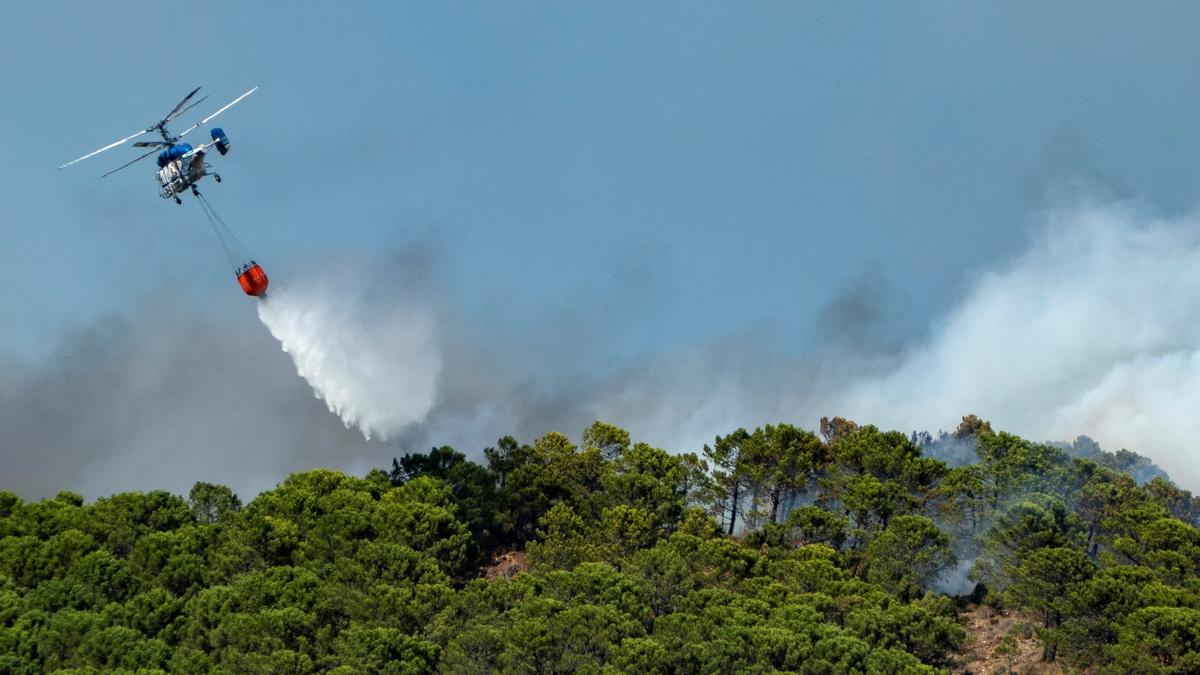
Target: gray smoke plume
point(166, 395)
point(1094, 330)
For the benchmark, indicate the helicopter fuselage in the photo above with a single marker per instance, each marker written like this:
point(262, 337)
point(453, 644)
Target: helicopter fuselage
point(178, 174)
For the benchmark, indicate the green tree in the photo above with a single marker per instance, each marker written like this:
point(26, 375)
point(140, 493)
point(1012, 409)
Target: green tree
point(872, 502)
point(781, 460)
point(626, 571)
point(1178, 502)
point(528, 485)
point(212, 503)
point(606, 439)
point(960, 499)
point(814, 525)
point(908, 555)
point(1160, 640)
point(1034, 522)
point(730, 476)
point(387, 651)
point(564, 541)
point(653, 481)
point(472, 486)
point(1041, 581)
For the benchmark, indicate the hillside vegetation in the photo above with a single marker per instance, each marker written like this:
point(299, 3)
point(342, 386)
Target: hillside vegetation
point(777, 549)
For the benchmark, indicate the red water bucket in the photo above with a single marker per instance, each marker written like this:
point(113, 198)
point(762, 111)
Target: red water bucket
point(253, 280)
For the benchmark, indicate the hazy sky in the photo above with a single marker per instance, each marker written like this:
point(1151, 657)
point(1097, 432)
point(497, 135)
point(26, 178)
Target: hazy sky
point(760, 154)
point(691, 170)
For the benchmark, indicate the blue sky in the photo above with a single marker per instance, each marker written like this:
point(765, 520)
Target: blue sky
point(614, 208)
point(713, 166)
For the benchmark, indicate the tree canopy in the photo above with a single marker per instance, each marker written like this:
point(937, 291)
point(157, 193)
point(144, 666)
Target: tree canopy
point(770, 550)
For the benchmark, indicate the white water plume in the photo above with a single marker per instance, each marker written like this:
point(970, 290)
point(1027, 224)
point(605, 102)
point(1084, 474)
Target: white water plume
point(374, 361)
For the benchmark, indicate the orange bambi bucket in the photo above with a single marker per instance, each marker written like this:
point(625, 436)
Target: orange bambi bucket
point(254, 280)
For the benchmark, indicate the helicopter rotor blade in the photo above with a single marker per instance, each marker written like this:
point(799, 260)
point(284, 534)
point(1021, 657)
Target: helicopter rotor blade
point(227, 107)
point(179, 108)
point(110, 146)
point(151, 144)
point(130, 163)
point(195, 103)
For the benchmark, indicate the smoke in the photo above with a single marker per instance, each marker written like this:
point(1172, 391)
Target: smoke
point(1094, 330)
point(956, 580)
point(363, 342)
point(165, 395)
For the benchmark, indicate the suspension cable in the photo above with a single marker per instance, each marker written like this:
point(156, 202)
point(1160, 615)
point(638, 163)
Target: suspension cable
point(235, 252)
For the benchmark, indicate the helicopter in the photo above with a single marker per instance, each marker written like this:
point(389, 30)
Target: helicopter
point(180, 165)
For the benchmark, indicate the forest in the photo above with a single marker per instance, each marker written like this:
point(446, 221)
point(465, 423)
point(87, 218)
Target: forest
point(845, 550)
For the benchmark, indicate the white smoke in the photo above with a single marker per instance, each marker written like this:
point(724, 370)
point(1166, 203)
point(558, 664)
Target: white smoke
point(1094, 330)
point(370, 354)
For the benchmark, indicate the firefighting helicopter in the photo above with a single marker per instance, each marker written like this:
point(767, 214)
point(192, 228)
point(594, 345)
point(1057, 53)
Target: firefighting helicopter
point(180, 165)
